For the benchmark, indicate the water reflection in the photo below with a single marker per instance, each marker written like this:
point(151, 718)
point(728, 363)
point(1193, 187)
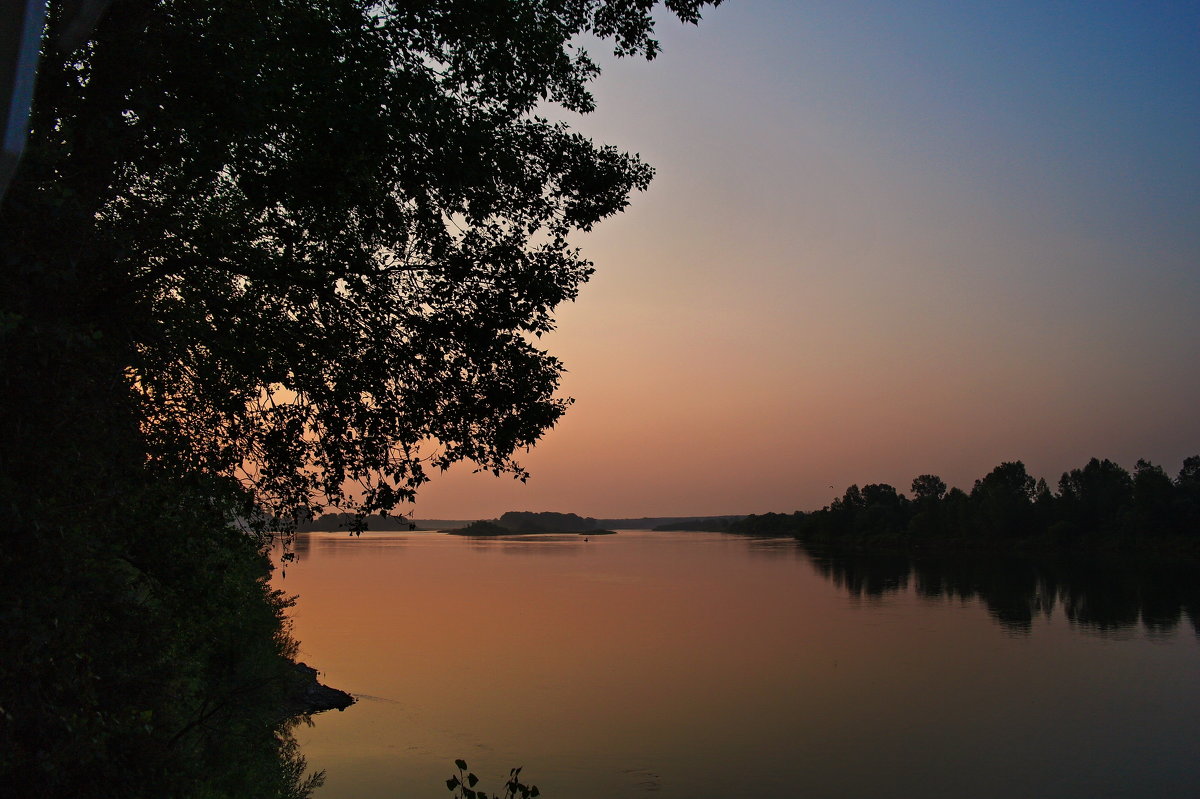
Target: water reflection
point(1098, 595)
point(679, 663)
point(540, 544)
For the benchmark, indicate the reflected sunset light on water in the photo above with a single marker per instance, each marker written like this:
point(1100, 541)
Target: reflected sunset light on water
point(691, 663)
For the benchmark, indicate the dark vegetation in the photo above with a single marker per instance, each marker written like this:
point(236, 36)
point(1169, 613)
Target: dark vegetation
point(711, 524)
point(353, 522)
point(525, 522)
point(143, 651)
point(546, 522)
point(462, 785)
point(308, 695)
point(260, 258)
point(654, 522)
point(1099, 507)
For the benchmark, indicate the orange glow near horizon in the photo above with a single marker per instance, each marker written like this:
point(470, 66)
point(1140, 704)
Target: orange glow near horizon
point(855, 267)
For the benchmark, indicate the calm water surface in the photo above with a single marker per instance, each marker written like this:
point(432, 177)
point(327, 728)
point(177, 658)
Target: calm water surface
point(706, 665)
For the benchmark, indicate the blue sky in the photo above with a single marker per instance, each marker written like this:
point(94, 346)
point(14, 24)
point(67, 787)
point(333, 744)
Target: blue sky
point(884, 239)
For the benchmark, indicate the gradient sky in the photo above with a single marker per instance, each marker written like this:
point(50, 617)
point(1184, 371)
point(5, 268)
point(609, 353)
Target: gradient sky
point(884, 239)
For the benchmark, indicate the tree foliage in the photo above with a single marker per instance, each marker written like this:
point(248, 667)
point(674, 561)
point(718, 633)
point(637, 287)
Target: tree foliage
point(463, 785)
point(322, 238)
point(928, 488)
point(145, 652)
point(1098, 507)
point(258, 252)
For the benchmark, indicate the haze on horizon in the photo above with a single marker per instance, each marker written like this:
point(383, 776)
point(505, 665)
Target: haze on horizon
point(882, 241)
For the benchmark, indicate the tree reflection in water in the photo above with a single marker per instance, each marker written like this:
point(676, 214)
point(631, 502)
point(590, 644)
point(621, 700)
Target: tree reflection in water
point(1098, 595)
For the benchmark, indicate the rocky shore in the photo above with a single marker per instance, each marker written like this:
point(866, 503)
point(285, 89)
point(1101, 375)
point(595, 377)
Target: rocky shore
point(309, 696)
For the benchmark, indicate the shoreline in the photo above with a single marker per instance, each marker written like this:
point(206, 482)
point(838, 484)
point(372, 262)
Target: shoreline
point(307, 695)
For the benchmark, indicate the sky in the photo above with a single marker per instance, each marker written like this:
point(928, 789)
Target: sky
point(884, 239)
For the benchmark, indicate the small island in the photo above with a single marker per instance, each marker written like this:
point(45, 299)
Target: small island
point(528, 522)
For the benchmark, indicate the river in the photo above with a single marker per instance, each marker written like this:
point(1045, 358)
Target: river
point(709, 665)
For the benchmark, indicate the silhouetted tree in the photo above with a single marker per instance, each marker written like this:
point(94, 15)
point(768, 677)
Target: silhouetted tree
point(1189, 473)
point(1004, 501)
point(321, 238)
point(928, 487)
point(881, 495)
point(1153, 498)
point(767, 524)
point(1188, 495)
point(927, 511)
point(851, 500)
point(1099, 507)
point(884, 513)
point(258, 253)
point(1092, 498)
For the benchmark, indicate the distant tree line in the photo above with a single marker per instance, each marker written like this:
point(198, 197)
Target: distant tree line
point(354, 522)
point(513, 521)
point(1100, 505)
point(711, 524)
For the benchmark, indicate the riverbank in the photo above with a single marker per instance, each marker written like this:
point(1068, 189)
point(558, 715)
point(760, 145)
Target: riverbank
point(307, 695)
